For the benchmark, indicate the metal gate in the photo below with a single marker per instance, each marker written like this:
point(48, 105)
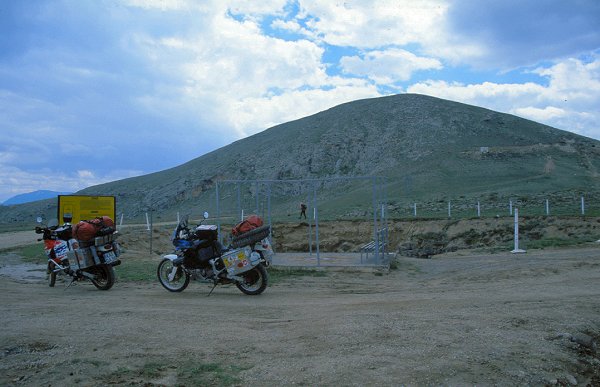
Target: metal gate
point(275, 201)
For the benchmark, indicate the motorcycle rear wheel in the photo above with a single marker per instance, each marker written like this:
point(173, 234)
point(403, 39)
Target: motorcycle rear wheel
point(104, 277)
point(180, 281)
point(255, 281)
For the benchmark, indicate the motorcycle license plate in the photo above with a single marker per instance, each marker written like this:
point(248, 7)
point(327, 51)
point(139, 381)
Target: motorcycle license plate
point(109, 257)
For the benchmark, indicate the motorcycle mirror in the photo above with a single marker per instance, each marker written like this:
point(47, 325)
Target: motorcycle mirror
point(39, 219)
point(205, 215)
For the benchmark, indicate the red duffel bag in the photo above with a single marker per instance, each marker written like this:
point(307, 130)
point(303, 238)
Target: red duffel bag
point(250, 223)
point(86, 230)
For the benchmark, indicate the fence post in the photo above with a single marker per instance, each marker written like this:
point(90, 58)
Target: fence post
point(150, 228)
point(316, 216)
point(310, 241)
point(218, 212)
point(449, 210)
point(547, 207)
point(257, 198)
point(239, 199)
point(517, 250)
point(478, 210)
point(415, 208)
point(582, 206)
point(375, 230)
point(510, 210)
point(269, 211)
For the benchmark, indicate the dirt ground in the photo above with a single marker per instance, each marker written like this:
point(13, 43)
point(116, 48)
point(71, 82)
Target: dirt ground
point(460, 319)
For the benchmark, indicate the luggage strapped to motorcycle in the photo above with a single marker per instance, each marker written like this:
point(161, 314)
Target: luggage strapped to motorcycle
point(86, 230)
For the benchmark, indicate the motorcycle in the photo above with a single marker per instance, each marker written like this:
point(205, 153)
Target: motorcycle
point(81, 260)
point(200, 256)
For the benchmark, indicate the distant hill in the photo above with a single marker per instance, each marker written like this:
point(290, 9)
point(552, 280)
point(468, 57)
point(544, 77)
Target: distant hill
point(426, 148)
point(32, 197)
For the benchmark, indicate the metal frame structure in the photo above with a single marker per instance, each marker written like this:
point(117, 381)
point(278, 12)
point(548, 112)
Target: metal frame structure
point(379, 203)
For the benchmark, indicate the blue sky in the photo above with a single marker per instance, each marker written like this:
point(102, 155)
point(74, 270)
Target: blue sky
point(100, 90)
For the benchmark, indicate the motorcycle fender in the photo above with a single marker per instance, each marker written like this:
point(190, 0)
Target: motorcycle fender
point(171, 257)
point(176, 259)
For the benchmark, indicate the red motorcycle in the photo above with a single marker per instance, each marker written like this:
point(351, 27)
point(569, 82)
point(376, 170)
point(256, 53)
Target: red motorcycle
point(91, 260)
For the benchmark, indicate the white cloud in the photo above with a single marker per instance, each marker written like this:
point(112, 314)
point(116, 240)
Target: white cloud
point(569, 101)
point(541, 115)
point(163, 5)
point(246, 79)
point(370, 24)
point(292, 26)
point(389, 66)
point(14, 180)
point(276, 109)
point(211, 72)
point(249, 7)
point(84, 174)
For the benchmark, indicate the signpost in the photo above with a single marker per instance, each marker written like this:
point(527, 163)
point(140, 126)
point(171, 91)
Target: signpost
point(84, 207)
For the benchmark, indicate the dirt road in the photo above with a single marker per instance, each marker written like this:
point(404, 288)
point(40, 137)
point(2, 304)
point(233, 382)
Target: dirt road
point(454, 320)
point(17, 238)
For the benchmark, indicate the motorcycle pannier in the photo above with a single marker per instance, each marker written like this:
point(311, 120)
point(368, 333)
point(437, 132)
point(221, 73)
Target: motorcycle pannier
point(86, 230)
point(250, 223)
point(238, 261)
point(81, 258)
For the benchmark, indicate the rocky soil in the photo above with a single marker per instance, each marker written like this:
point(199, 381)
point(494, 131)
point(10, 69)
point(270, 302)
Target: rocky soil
point(425, 238)
point(492, 319)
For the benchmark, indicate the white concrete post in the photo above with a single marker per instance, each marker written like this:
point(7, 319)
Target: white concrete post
point(582, 206)
point(147, 222)
point(415, 210)
point(510, 211)
point(449, 210)
point(517, 250)
point(547, 207)
point(121, 221)
point(478, 210)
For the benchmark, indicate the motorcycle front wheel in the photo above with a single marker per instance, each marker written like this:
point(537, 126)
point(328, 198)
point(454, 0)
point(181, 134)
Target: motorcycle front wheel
point(51, 275)
point(180, 279)
point(255, 281)
point(104, 277)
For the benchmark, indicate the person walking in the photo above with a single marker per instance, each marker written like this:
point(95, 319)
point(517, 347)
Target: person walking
point(302, 210)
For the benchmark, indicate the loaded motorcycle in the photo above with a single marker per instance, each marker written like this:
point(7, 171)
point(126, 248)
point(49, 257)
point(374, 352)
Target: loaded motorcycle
point(200, 256)
point(81, 260)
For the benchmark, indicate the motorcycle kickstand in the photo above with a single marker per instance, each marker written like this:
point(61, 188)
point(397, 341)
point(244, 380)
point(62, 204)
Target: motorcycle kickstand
point(71, 283)
point(211, 290)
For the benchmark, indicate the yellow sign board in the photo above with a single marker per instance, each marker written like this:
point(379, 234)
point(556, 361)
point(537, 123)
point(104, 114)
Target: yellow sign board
point(84, 207)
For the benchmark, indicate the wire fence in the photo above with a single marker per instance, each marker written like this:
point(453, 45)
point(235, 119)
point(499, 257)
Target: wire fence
point(461, 208)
